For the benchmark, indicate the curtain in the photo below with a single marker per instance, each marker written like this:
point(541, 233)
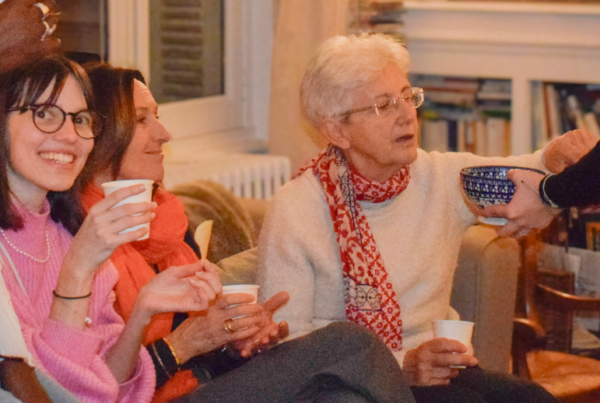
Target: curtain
point(300, 27)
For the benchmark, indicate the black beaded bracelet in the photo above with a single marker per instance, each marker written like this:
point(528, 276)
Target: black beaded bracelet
point(71, 298)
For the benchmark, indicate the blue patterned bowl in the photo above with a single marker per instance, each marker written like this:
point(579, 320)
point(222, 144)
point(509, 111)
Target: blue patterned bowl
point(488, 185)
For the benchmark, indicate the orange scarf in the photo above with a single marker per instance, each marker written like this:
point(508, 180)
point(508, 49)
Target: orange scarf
point(164, 248)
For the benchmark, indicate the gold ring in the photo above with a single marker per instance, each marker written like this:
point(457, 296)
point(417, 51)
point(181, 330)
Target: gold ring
point(227, 325)
point(44, 9)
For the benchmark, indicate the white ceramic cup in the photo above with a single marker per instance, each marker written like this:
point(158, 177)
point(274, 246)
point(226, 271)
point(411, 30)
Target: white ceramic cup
point(145, 196)
point(459, 330)
point(242, 288)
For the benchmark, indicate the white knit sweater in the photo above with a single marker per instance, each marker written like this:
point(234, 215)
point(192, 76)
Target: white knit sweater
point(12, 343)
point(418, 234)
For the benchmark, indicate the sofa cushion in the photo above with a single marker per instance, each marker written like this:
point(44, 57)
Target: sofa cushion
point(240, 268)
point(233, 228)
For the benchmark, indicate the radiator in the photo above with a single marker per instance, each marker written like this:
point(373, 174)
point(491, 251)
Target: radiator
point(255, 176)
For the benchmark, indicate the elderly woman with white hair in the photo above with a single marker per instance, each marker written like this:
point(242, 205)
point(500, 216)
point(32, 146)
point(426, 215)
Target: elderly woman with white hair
point(370, 231)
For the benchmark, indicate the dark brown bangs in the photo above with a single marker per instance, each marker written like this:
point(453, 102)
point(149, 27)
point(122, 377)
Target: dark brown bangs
point(26, 85)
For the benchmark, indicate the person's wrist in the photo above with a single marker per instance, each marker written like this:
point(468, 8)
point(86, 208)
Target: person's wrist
point(74, 282)
point(542, 192)
point(141, 313)
point(77, 265)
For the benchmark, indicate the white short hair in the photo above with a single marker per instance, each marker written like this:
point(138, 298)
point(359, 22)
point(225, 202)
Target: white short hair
point(341, 64)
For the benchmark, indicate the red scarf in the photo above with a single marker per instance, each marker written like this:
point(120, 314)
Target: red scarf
point(368, 293)
point(164, 248)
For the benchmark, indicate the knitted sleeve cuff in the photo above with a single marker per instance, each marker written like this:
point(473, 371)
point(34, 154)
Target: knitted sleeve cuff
point(80, 346)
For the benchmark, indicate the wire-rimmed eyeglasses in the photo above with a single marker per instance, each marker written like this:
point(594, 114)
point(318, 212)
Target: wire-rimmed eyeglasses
point(385, 108)
point(49, 118)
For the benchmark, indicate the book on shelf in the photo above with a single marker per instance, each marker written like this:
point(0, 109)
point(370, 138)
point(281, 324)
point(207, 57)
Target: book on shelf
point(593, 236)
point(465, 114)
point(488, 137)
point(376, 16)
point(480, 138)
point(539, 122)
point(560, 107)
point(498, 137)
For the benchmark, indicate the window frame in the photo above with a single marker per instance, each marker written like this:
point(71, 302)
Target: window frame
point(230, 113)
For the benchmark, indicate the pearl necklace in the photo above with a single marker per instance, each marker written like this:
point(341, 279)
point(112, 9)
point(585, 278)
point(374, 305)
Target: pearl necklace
point(27, 254)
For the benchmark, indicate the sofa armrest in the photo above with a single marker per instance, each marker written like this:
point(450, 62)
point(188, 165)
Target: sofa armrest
point(484, 292)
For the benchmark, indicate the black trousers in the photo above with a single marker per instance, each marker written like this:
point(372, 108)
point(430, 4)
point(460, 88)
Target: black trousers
point(339, 363)
point(474, 385)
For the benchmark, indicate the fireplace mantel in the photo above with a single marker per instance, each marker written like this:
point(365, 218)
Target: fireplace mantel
point(523, 42)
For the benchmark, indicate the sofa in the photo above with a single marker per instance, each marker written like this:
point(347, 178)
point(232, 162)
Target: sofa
point(484, 284)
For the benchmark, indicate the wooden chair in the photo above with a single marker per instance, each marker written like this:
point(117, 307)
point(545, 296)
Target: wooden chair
point(569, 377)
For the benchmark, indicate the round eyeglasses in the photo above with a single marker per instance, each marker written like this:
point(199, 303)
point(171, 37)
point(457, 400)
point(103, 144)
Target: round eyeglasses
point(49, 118)
point(415, 98)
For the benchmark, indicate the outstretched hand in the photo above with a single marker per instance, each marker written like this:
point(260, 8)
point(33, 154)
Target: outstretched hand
point(270, 333)
point(231, 319)
point(525, 212)
point(429, 364)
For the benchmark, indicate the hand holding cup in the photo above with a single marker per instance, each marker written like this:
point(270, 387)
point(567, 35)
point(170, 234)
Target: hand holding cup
point(458, 330)
point(145, 196)
point(101, 231)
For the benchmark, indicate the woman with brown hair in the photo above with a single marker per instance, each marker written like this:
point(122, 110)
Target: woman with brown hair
point(130, 147)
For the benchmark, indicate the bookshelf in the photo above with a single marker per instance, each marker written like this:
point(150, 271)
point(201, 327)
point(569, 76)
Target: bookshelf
point(465, 114)
point(561, 107)
point(526, 43)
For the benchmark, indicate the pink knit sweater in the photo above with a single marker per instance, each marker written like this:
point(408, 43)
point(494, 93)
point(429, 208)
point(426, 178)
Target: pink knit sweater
point(75, 358)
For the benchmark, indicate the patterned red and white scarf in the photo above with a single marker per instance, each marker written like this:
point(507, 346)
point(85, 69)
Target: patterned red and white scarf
point(368, 293)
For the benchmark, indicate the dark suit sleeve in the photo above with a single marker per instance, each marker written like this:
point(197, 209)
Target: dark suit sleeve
point(579, 184)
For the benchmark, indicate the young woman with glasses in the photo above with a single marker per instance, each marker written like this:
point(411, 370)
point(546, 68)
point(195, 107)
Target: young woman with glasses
point(55, 261)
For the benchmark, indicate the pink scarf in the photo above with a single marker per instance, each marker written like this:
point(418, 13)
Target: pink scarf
point(368, 293)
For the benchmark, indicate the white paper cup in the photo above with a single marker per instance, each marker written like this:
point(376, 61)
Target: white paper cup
point(242, 288)
point(459, 330)
point(145, 196)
